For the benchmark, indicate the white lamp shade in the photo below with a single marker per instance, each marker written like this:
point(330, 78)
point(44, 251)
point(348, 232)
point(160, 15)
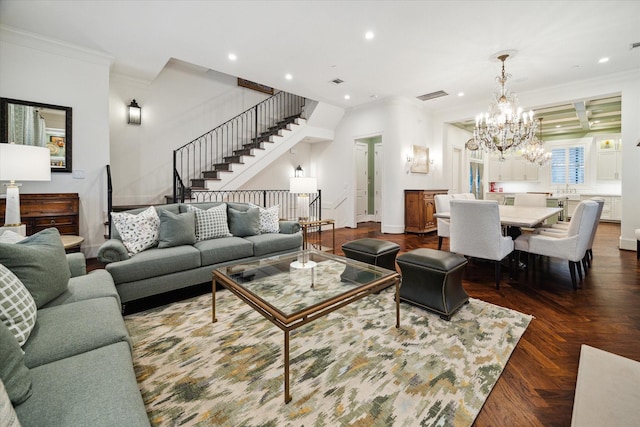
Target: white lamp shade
point(303, 185)
point(24, 163)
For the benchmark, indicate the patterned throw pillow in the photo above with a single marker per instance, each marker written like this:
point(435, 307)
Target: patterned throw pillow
point(211, 223)
point(269, 218)
point(137, 232)
point(17, 306)
point(10, 236)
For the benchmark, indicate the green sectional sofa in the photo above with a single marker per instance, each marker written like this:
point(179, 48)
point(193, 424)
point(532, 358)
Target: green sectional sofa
point(74, 366)
point(187, 249)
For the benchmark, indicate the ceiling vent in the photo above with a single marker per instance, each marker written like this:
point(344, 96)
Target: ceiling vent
point(432, 95)
point(635, 45)
point(337, 81)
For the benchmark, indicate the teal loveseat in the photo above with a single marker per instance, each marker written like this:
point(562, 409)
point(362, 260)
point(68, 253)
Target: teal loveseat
point(182, 262)
point(75, 368)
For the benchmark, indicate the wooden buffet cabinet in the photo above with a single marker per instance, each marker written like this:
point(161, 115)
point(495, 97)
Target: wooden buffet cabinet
point(419, 208)
point(40, 211)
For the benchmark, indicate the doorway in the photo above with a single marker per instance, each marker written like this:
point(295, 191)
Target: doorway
point(368, 159)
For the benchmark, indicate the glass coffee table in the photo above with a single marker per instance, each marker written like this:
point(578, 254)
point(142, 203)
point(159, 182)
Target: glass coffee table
point(294, 289)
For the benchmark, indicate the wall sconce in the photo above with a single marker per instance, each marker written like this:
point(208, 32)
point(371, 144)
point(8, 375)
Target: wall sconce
point(134, 113)
point(298, 173)
point(409, 158)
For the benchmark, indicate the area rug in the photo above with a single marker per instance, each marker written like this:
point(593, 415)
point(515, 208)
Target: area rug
point(350, 368)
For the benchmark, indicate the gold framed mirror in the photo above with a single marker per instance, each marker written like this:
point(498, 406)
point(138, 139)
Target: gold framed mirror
point(35, 123)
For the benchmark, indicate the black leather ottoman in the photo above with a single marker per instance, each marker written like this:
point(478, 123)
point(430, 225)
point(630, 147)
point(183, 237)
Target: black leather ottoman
point(432, 280)
point(373, 251)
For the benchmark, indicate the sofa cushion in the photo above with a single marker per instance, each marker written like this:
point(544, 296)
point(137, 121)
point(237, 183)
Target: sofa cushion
point(154, 262)
point(244, 223)
point(137, 232)
point(269, 219)
point(96, 284)
point(211, 223)
point(40, 263)
point(172, 207)
point(225, 249)
point(13, 371)
point(97, 388)
point(17, 307)
point(264, 244)
point(177, 229)
point(70, 329)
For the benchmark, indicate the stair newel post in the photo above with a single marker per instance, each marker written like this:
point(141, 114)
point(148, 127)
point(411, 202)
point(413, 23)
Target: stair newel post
point(255, 122)
point(175, 178)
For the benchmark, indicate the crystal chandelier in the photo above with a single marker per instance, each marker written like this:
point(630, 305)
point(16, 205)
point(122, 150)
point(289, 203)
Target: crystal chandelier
point(504, 127)
point(534, 151)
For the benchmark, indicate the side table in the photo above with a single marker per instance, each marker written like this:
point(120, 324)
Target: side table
point(71, 243)
point(316, 242)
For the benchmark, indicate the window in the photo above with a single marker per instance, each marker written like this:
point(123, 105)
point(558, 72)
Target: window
point(567, 165)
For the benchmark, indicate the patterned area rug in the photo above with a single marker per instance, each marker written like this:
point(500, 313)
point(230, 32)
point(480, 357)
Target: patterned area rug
point(350, 368)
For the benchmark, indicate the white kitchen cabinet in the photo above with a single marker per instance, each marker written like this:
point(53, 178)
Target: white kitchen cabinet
point(609, 155)
point(612, 209)
point(512, 169)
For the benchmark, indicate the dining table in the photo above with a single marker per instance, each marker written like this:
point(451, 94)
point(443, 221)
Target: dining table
point(518, 216)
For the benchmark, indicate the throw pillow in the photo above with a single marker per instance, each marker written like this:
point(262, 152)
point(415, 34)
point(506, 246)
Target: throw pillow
point(177, 229)
point(40, 262)
point(8, 416)
point(245, 223)
point(13, 372)
point(11, 237)
point(137, 232)
point(269, 218)
point(212, 223)
point(17, 307)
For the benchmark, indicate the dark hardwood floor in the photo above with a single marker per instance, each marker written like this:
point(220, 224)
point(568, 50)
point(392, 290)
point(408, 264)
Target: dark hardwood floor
point(538, 384)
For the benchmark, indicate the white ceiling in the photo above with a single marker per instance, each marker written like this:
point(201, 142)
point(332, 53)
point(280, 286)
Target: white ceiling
point(419, 46)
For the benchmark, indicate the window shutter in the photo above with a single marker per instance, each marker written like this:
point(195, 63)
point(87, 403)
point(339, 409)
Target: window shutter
point(558, 164)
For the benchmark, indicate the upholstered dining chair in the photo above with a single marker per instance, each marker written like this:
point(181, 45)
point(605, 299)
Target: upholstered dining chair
point(442, 205)
point(562, 232)
point(464, 196)
point(571, 247)
point(476, 232)
point(527, 199)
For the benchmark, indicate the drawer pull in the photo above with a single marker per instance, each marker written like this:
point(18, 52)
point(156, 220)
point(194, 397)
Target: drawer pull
point(53, 221)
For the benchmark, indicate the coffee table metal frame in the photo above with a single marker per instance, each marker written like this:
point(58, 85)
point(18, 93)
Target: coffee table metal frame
point(308, 314)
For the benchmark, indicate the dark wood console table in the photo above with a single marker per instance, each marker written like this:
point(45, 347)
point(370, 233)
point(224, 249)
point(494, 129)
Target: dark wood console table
point(40, 211)
point(419, 208)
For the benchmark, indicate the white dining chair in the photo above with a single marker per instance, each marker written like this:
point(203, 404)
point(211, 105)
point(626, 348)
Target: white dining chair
point(463, 196)
point(527, 199)
point(476, 232)
point(572, 247)
point(443, 224)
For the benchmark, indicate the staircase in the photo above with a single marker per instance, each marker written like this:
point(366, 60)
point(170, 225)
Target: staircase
point(210, 158)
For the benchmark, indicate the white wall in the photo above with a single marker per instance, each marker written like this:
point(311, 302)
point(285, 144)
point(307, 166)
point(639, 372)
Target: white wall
point(182, 103)
point(34, 69)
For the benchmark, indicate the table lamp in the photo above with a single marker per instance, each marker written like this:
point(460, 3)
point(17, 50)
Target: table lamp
point(302, 186)
point(21, 163)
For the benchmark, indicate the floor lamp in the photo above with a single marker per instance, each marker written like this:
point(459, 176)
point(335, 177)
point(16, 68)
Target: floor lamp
point(303, 187)
point(21, 163)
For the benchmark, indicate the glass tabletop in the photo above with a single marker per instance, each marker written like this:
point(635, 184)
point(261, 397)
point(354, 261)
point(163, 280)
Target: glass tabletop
point(297, 281)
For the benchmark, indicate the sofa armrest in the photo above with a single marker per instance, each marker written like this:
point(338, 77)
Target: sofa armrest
point(289, 227)
point(111, 251)
point(77, 264)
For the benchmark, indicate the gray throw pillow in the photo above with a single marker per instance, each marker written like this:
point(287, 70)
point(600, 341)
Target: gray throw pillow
point(177, 229)
point(40, 262)
point(13, 372)
point(245, 223)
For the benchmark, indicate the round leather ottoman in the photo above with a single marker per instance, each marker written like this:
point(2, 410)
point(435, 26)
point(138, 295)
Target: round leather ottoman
point(432, 280)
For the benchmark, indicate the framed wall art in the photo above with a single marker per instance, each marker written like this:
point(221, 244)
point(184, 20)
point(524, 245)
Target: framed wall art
point(420, 163)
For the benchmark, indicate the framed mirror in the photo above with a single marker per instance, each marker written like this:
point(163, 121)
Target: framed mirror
point(34, 123)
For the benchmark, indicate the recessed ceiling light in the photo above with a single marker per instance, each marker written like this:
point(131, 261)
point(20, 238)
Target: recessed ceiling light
point(460, 93)
point(603, 60)
point(232, 57)
point(369, 35)
point(557, 126)
point(288, 76)
point(347, 97)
